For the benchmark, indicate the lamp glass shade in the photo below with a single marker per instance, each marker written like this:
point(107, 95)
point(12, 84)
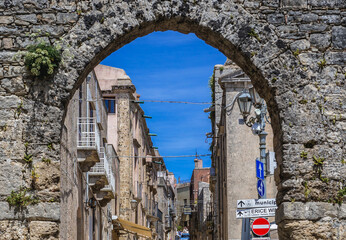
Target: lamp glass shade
point(244, 103)
point(133, 204)
point(256, 99)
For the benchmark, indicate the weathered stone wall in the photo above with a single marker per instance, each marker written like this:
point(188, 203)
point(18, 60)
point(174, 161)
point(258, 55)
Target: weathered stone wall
point(305, 89)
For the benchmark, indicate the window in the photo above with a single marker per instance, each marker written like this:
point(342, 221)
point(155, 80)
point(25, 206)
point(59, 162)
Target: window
point(110, 105)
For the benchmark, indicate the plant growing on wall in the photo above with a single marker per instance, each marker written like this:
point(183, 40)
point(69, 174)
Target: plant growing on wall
point(42, 58)
point(20, 198)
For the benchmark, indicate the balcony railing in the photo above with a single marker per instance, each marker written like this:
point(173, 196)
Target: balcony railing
point(88, 133)
point(111, 181)
point(102, 166)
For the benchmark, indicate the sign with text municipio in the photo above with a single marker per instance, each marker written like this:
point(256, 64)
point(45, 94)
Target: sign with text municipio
point(256, 203)
point(255, 212)
point(259, 169)
point(260, 226)
point(260, 188)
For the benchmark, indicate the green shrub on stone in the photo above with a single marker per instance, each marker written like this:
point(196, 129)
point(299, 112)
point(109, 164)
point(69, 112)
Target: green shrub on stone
point(20, 198)
point(41, 59)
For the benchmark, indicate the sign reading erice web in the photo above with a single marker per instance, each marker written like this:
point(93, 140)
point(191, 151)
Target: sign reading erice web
point(256, 203)
point(256, 212)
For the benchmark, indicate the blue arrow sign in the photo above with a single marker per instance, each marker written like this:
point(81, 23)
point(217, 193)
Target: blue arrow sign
point(259, 169)
point(260, 188)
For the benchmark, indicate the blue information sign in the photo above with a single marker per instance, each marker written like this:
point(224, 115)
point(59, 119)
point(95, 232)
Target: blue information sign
point(260, 188)
point(259, 169)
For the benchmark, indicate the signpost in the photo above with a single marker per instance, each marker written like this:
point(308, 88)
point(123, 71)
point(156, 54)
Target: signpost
point(256, 212)
point(259, 169)
point(260, 188)
point(260, 226)
point(255, 203)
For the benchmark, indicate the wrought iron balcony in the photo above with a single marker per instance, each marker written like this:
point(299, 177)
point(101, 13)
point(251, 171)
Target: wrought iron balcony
point(99, 174)
point(88, 143)
point(88, 133)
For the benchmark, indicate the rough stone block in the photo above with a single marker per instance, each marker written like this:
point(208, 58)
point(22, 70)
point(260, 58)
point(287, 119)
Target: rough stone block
point(295, 3)
point(276, 18)
point(300, 44)
point(6, 31)
point(338, 58)
point(14, 230)
point(339, 37)
point(51, 30)
point(8, 102)
point(7, 43)
point(48, 17)
point(313, 27)
point(40, 211)
point(334, 19)
point(328, 3)
point(310, 230)
point(320, 41)
point(309, 17)
point(13, 85)
point(6, 19)
point(31, 18)
point(63, 18)
point(310, 58)
point(49, 176)
point(306, 211)
point(10, 177)
point(43, 229)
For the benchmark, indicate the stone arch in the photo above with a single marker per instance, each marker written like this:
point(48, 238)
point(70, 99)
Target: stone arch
point(258, 45)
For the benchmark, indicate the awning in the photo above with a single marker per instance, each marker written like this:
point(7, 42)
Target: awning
point(133, 228)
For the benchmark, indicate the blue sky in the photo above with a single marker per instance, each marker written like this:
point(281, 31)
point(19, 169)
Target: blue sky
point(174, 67)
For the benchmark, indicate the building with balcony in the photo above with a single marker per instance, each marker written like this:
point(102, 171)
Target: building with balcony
point(167, 199)
point(234, 151)
point(183, 204)
point(90, 166)
point(199, 174)
point(128, 132)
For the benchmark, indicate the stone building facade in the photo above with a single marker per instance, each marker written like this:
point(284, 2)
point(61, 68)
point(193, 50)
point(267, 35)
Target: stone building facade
point(183, 204)
point(235, 149)
point(167, 202)
point(199, 174)
point(129, 132)
point(293, 52)
point(90, 186)
point(204, 213)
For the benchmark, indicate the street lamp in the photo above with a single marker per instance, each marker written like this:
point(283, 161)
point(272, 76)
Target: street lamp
point(134, 204)
point(244, 103)
point(257, 125)
point(257, 101)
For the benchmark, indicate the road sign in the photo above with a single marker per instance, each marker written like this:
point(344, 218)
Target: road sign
point(255, 203)
point(259, 169)
point(255, 212)
point(260, 188)
point(260, 226)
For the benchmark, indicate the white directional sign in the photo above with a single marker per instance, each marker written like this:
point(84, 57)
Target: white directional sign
point(256, 212)
point(256, 203)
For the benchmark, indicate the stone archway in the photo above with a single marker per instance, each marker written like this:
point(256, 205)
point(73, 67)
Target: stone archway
point(304, 89)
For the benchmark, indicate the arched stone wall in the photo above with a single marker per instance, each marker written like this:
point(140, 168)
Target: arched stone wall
point(306, 97)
